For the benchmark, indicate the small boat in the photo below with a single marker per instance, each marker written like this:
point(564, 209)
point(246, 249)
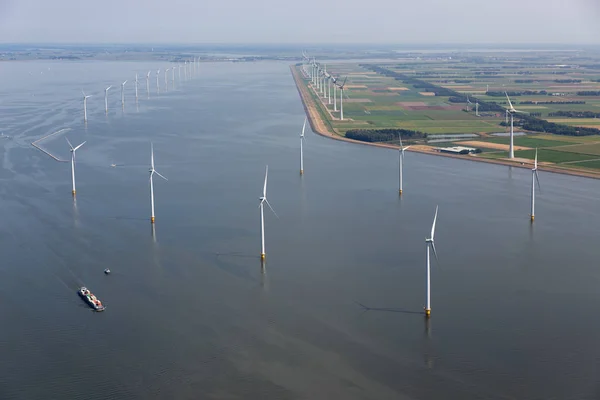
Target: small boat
point(89, 298)
point(107, 271)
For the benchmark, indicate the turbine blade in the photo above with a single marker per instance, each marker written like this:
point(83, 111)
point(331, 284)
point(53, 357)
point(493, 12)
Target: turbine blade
point(400, 137)
point(150, 179)
point(304, 126)
point(435, 252)
point(158, 173)
point(265, 187)
point(433, 226)
point(509, 103)
point(70, 145)
point(269, 204)
point(78, 146)
point(535, 161)
point(407, 147)
point(152, 155)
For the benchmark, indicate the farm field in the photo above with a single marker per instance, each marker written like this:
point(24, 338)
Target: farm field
point(411, 94)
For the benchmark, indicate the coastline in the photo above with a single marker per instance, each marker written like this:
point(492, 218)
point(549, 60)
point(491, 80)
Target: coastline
point(320, 127)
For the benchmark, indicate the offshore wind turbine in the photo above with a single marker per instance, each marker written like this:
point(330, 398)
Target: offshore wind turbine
point(136, 87)
point(185, 67)
point(73, 150)
point(152, 172)
point(166, 78)
point(148, 84)
point(179, 72)
point(123, 94)
point(430, 243)
point(106, 99)
point(400, 163)
point(511, 111)
point(302, 139)
point(263, 199)
point(85, 105)
point(157, 84)
point(173, 76)
point(534, 177)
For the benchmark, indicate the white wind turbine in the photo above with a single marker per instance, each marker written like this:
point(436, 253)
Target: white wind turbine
point(179, 72)
point(511, 111)
point(263, 199)
point(123, 94)
point(342, 99)
point(302, 139)
point(152, 172)
point(148, 84)
point(157, 84)
point(166, 79)
point(85, 105)
point(136, 87)
point(401, 163)
point(534, 177)
point(430, 243)
point(185, 67)
point(106, 99)
point(334, 91)
point(173, 76)
point(73, 150)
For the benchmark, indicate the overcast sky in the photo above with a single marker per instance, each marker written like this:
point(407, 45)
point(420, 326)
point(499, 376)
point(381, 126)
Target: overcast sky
point(300, 21)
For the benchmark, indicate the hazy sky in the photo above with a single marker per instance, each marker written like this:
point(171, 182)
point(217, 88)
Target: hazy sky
point(300, 21)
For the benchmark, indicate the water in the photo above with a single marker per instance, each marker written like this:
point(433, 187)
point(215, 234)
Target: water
point(189, 313)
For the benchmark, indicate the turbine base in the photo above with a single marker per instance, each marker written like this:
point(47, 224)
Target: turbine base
point(73, 192)
point(400, 192)
point(301, 172)
point(151, 220)
point(532, 218)
point(427, 313)
point(262, 256)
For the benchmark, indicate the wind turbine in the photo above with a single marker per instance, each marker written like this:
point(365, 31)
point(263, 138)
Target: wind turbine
point(152, 172)
point(136, 87)
point(302, 139)
point(173, 77)
point(73, 150)
point(123, 93)
point(85, 105)
point(185, 67)
point(157, 84)
point(334, 90)
point(148, 84)
point(106, 99)
point(477, 108)
point(430, 243)
point(534, 177)
point(329, 89)
point(511, 111)
point(468, 104)
point(263, 199)
point(401, 162)
point(166, 79)
point(179, 72)
point(342, 99)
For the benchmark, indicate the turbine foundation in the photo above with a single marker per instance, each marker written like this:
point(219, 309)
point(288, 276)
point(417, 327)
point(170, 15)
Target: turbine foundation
point(151, 220)
point(73, 192)
point(301, 171)
point(427, 313)
point(262, 256)
point(532, 218)
point(400, 192)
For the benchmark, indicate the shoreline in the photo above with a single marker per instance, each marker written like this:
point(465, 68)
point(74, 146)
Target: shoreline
point(320, 127)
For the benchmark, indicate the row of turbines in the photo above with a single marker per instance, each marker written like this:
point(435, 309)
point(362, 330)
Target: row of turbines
point(319, 79)
point(190, 69)
point(322, 81)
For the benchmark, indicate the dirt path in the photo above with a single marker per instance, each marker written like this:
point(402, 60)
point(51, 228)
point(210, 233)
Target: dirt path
point(320, 127)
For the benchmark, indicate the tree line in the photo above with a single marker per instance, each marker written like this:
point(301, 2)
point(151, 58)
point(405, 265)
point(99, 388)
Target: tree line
point(384, 135)
point(553, 102)
point(589, 93)
point(575, 114)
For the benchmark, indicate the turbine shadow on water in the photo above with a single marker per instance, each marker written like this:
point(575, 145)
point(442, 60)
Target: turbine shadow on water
point(388, 309)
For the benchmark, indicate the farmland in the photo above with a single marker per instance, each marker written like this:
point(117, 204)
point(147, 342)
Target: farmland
point(427, 93)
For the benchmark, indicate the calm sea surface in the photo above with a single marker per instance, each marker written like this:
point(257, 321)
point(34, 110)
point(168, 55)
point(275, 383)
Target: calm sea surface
point(189, 313)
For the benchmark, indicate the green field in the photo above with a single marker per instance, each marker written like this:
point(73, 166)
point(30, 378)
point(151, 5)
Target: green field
point(553, 156)
point(529, 141)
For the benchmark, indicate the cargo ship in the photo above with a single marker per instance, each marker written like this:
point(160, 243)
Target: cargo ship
point(89, 298)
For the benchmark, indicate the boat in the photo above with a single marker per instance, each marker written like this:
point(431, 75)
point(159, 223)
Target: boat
point(107, 271)
point(89, 298)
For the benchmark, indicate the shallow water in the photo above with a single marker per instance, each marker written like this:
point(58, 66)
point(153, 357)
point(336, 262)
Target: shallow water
point(189, 312)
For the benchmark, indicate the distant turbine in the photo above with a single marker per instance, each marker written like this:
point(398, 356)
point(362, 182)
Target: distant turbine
point(106, 99)
point(157, 84)
point(85, 105)
point(534, 177)
point(334, 90)
point(263, 199)
point(73, 150)
point(430, 243)
point(342, 99)
point(302, 139)
point(401, 163)
point(148, 84)
point(152, 172)
point(185, 68)
point(173, 77)
point(179, 72)
point(166, 79)
point(136, 87)
point(511, 111)
point(123, 93)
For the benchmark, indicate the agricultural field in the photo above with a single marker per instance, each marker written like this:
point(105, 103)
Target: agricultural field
point(558, 87)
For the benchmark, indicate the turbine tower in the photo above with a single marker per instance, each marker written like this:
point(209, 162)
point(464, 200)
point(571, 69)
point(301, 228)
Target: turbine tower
point(106, 99)
point(148, 84)
point(85, 105)
point(334, 90)
point(534, 177)
point(123, 94)
point(430, 243)
point(511, 111)
point(73, 150)
point(167, 79)
point(136, 87)
point(263, 199)
point(157, 84)
point(152, 172)
point(342, 99)
point(401, 163)
point(302, 139)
